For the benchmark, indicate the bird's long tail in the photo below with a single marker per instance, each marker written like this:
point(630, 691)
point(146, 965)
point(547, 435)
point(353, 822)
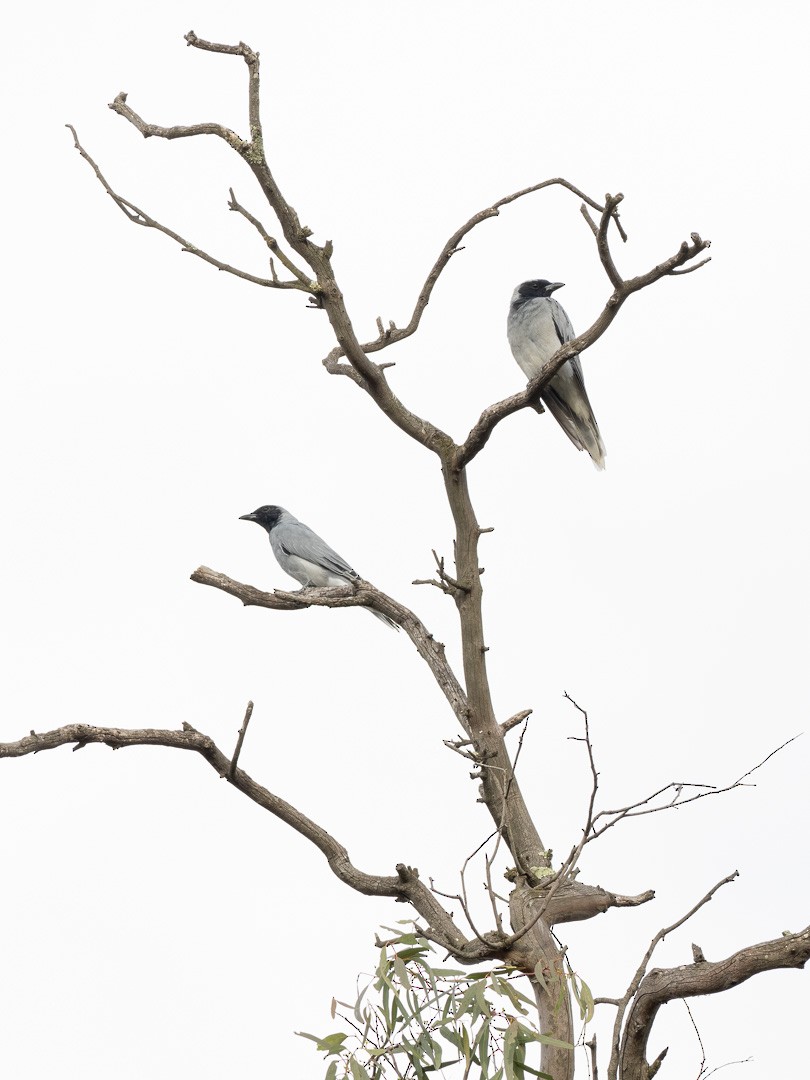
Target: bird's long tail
point(580, 427)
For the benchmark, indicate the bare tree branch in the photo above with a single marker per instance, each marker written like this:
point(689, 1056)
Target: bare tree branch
point(641, 808)
point(594, 774)
point(767, 758)
point(177, 131)
point(559, 899)
point(576, 901)
point(371, 376)
point(271, 243)
point(443, 580)
point(368, 375)
point(692, 980)
point(461, 898)
point(491, 416)
point(513, 721)
point(394, 333)
point(498, 833)
point(591, 1044)
point(324, 288)
point(251, 151)
point(690, 270)
point(611, 203)
point(591, 223)
point(360, 594)
point(240, 740)
point(140, 217)
point(629, 994)
point(488, 742)
point(405, 886)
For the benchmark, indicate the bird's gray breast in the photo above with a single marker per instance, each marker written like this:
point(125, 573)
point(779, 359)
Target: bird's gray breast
point(535, 330)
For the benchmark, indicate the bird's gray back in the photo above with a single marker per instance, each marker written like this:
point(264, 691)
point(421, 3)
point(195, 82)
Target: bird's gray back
point(291, 540)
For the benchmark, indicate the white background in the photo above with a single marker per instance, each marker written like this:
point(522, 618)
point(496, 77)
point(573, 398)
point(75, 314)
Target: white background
point(155, 923)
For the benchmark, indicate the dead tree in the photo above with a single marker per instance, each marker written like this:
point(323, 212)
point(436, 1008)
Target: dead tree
point(542, 896)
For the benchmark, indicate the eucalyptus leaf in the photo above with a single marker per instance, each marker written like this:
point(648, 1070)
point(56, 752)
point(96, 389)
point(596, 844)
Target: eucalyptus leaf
point(586, 1004)
point(357, 1070)
point(549, 1040)
point(401, 972)
point(329, 1044)
point(509, 1046)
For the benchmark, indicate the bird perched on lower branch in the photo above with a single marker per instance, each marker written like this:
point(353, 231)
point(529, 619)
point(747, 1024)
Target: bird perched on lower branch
point(303, 555)
point(536, 327)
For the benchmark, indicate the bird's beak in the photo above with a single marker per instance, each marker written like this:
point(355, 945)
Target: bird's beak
point(247, 517)
point(555, 285)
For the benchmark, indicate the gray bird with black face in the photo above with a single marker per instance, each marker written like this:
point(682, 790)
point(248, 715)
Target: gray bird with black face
point(303, 555)
point(536, 327)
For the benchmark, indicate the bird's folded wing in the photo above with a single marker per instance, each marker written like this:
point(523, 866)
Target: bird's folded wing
point(562, 324)
point(565, 332)
point(301, 541)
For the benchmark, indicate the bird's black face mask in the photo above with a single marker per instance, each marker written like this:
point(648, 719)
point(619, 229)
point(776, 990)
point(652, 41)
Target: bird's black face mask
point(267, 516)
point(541, 287)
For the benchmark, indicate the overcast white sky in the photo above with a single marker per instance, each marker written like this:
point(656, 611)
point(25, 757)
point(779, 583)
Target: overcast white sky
point(155, 922)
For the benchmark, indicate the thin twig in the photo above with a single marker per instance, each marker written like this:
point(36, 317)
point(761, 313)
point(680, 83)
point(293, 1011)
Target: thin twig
point(594, 774)
point(565, 871)
point(690, 269)
point(240, 740)
point(456, 746)
point(431, 581)
point(591, 223)
point(591, 1044)
point(702, 1068)
point(725, 1065)
point(490, 889)
point(768, 757)
point(641, 809)
point(461, 900)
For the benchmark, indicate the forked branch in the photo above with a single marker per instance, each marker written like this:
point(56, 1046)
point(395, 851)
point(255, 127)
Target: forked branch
point(139, 217)
point(324, 290)
point(632, 990)
point(491, 416)
point(693, 980)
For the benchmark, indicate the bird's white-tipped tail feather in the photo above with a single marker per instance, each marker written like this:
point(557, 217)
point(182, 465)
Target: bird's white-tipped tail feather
point(580, 426)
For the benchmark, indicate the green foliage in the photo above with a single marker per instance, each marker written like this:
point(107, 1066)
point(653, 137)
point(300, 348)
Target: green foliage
point(415, 1021)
